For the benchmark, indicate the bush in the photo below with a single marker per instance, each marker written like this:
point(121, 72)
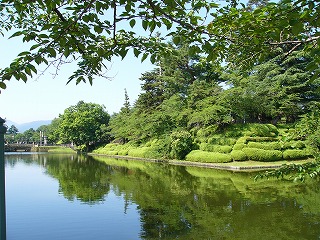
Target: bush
point(264, 130)
point(225, 149)
point(261, 139)
point(238, 155)
point(162, 147)
point(181, 144)
point(208, 157)
point(222, 140)
point(239, 146)
point(242, 140)
point(138, 152)
point(265, 145)
point(215, 148)
point(294, 145)
point(123, 152)
point(261, 155)
point(293, 154)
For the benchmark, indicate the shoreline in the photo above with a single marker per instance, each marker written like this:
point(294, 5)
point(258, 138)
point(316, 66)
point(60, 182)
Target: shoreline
point(231, 166)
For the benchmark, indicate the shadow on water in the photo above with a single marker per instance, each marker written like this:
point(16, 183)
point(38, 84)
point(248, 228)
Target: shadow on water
point(189, 202)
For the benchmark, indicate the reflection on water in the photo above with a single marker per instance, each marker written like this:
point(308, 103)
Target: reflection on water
point(103, 196)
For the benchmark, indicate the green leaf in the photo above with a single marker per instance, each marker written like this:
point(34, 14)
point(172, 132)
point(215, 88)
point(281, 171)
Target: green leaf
point(98, 29)
point(297, 28)
point(132, 23)
point(136, 52)
point(123, 52)
point(23, 77)
point(35, 46)
point(145, 24)
point(176, 40)
point(144, 57)
point(24, 53)
point(28, 71)
point(3, 85)
point(66, 52)
point(52, 52)
point(16, 34)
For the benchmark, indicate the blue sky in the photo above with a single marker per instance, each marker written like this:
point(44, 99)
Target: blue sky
point(47, 97)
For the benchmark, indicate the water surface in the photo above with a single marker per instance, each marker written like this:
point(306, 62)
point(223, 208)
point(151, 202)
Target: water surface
point(54, 196)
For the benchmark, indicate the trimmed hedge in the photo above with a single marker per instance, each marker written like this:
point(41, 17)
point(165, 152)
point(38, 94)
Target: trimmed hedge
point(123, 152)
point(265, 145)
point(261, 155)
point(264, 130)
point(294, 145)
point(138, 152)
point(239, 146)
point(208, 157)
point(261, 139)
point(292, 154)
point(238, 155)
point(215, 148)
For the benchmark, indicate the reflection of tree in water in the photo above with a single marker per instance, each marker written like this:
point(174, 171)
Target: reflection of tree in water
point(80, 178)
point(192, 203)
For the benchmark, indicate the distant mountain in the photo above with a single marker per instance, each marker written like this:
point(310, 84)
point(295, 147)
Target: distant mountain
point(25, 126)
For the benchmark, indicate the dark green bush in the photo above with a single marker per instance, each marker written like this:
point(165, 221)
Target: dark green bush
point(256, 154)
point(292, 154)
point(265, 145)
point(208, 157)
point(238, 155)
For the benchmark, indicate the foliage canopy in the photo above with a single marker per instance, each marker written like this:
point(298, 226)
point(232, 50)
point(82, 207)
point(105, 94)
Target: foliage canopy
point(92, 32)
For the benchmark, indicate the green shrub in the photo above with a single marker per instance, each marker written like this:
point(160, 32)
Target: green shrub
point(123, 152)
point(261, 139)
point(208, 157)
point(138, 152)
point(238, 155)
point(181, 144)
point(256, 154)
point(114, 152)
point(264, 130)
point(225, 149)
point(294, 145)
point(215, 148)
point(239, 146)
point(265, 145)
point(292, 154)
point(242, 140)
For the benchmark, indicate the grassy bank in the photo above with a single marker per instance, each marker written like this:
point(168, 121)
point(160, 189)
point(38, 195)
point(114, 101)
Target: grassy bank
point(251, 145)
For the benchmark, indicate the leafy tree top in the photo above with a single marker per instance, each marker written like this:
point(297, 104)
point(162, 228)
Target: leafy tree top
point(91, 32)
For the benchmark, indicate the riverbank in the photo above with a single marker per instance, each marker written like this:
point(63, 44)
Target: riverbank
point(231, 166)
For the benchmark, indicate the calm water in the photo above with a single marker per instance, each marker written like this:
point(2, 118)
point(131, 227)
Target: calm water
point(53, 196)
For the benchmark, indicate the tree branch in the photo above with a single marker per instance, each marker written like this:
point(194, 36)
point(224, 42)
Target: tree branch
point(310, 39)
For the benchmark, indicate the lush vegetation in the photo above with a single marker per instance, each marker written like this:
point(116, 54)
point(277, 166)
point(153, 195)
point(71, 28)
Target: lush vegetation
point(234, 81)
point(240, 34)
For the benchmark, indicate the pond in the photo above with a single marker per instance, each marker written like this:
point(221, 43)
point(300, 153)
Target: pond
point(56, 196)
